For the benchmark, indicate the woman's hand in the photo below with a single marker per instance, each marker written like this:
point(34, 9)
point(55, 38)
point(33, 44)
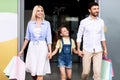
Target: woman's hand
point(50, 55)
point(20, 53)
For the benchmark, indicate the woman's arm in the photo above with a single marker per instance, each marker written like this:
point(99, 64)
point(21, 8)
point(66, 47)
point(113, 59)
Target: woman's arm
point(49, 51)
point(49, 48)
point(23, 47)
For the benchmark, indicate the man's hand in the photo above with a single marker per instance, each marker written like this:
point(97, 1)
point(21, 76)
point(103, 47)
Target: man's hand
point(80, 53)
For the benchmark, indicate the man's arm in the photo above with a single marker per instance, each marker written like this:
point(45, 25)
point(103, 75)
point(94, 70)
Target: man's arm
point(104, 48)
point(80, 53)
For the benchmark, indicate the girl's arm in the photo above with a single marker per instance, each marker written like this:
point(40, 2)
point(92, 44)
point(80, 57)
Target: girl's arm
point(55, 51)
point(74, 47)
point(52, 53)
point(56, 48)
point(74, 51)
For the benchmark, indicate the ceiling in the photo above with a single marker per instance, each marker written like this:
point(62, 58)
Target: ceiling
point(71, 7)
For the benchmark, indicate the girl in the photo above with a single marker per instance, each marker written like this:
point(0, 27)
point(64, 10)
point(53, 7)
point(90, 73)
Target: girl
point(65, 45)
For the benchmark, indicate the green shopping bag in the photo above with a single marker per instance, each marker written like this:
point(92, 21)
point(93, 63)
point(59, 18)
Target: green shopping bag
point(107, 69)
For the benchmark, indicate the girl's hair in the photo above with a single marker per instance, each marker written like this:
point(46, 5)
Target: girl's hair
point(59, 30)
point(33, 17)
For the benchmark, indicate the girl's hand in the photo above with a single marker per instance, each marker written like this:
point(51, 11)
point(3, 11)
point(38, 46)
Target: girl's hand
point(75, 51)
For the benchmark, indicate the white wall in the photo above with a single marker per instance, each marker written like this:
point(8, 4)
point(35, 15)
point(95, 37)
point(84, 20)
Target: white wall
point(110, 12)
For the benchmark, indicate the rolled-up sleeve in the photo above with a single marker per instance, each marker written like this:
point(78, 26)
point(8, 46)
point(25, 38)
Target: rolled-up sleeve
point(103, 32)
point(27, 33)
point(80, 32)
point(49, 35)
point(73, 44)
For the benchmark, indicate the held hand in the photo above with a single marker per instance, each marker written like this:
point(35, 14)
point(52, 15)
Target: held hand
point(80, 53)
point(75, 51)
point(50, 55)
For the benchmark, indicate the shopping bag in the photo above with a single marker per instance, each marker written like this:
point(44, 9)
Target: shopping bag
point(107, 70)
point(15, 69)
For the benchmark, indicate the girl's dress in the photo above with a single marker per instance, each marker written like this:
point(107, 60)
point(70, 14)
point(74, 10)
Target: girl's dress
point(65, 56)
point(37, 62)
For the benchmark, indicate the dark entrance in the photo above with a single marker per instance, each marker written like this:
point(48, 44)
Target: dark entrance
point(59, 12)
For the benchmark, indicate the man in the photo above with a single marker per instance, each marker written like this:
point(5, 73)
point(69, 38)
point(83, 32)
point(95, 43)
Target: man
point(94, 44)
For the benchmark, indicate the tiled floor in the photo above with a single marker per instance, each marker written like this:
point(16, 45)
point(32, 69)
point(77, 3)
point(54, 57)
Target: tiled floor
point(55, 75)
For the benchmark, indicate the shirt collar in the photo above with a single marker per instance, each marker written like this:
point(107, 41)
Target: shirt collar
point(34, 22)
point(92, 19)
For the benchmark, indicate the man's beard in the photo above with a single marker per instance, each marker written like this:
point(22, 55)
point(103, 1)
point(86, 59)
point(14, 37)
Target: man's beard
point(95, 14)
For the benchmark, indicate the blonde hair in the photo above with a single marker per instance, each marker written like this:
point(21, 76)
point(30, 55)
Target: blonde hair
point(33, 17)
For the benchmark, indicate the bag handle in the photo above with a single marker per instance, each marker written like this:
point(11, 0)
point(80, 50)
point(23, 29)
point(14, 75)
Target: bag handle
point(106, 58)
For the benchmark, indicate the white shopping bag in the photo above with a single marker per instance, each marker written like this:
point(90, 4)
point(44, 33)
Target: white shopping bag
point(15, 69)
point(107, 71)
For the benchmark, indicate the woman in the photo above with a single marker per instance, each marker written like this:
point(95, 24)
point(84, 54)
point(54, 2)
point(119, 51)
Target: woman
point(39, 34)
